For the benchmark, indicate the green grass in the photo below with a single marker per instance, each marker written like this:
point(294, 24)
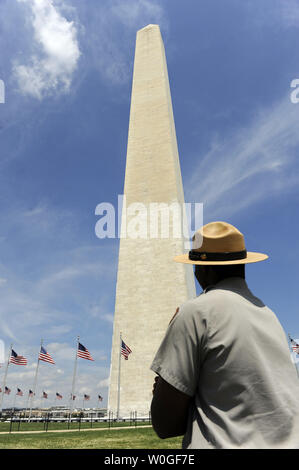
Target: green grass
point(142, 438)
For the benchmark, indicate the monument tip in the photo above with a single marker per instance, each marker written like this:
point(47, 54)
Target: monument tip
point(149, 26)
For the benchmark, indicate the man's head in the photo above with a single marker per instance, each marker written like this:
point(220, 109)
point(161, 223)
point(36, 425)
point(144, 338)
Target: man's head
point(219, 252)
point(210, 275)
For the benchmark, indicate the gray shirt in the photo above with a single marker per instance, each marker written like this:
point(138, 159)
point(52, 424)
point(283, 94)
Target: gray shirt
point(228, 351)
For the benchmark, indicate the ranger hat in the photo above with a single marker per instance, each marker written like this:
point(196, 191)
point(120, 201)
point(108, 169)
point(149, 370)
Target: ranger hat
point(219, 243)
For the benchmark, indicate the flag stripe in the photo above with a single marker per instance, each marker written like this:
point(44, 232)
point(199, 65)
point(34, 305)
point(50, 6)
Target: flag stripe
point(83, 352)
point(17, 360)
point(125, 350)
point(45, 356)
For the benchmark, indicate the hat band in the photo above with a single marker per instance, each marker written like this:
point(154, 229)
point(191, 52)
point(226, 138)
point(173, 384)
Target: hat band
point(226, 256)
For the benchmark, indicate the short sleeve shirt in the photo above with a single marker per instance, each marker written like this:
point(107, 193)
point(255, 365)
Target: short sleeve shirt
point(228, 351)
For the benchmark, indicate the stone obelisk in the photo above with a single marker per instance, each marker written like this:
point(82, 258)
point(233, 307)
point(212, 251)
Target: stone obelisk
point(150, 286)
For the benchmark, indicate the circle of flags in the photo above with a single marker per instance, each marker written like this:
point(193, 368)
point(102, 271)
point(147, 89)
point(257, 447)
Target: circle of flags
point(81, 352)
point(16, 359)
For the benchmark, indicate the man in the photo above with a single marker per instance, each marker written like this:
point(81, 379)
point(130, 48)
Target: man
point(225, 377)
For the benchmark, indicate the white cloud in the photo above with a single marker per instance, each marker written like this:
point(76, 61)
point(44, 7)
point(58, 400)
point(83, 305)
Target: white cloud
point(99, 311)
point(74, 271)
point(61, 351)
point(253, 164)
point(104, 382)
point(51, 67)
point(109, 317)
point(58, 330)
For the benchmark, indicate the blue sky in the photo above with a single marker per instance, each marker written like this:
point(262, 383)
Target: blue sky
point(67, 67)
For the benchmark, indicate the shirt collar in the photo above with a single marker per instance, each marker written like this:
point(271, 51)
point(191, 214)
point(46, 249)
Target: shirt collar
point(235, 284)
point(239, 286)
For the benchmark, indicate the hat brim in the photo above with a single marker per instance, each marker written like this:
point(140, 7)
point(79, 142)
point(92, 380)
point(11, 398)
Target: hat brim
point(252, 257)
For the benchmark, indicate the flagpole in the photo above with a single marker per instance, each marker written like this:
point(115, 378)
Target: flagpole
point(35, 382)
point(14, 402)
point(119, 366)
point(4, 379)
point(74, 378)
point(294, 362)
point(27, 405)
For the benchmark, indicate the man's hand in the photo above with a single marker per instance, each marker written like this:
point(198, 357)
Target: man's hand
point(157, 378)
point(169, 409)
point(155, 383)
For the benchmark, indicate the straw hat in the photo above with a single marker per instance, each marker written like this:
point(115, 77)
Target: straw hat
point(219, 243)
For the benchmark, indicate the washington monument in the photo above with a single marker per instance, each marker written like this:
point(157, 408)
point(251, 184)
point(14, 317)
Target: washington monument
point(150, 286)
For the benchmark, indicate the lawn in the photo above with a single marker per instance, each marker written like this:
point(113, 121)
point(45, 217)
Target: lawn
point(130, 438)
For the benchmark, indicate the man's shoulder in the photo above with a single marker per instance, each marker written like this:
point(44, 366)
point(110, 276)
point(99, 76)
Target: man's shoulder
point(200, 310)
point(220, 296)
point(210, 295)
point(231, 290)
point(200, 304)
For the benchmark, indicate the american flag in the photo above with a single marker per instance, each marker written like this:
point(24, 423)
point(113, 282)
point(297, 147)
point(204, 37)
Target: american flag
point(295, 346)
point(45, 356)
point(125, 350)
point(18, 360)
point(31, 394)
point(58, 396)
point(7, 390)
point(45, 395)
point(86, 397)
point(83, 352)
point(100, 398)
point(19, 392)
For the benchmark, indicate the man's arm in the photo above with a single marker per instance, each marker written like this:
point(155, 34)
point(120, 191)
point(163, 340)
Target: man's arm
point(169, 410)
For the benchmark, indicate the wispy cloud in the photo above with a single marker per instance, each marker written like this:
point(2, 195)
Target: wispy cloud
point(42, 293)
point(289, 12)
point(99, 311)
point(111, 30)
point(30, 307)
point(104, 383)
point(38, 222)
point(132, 13)
point(251, 165)
point(56, 51)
